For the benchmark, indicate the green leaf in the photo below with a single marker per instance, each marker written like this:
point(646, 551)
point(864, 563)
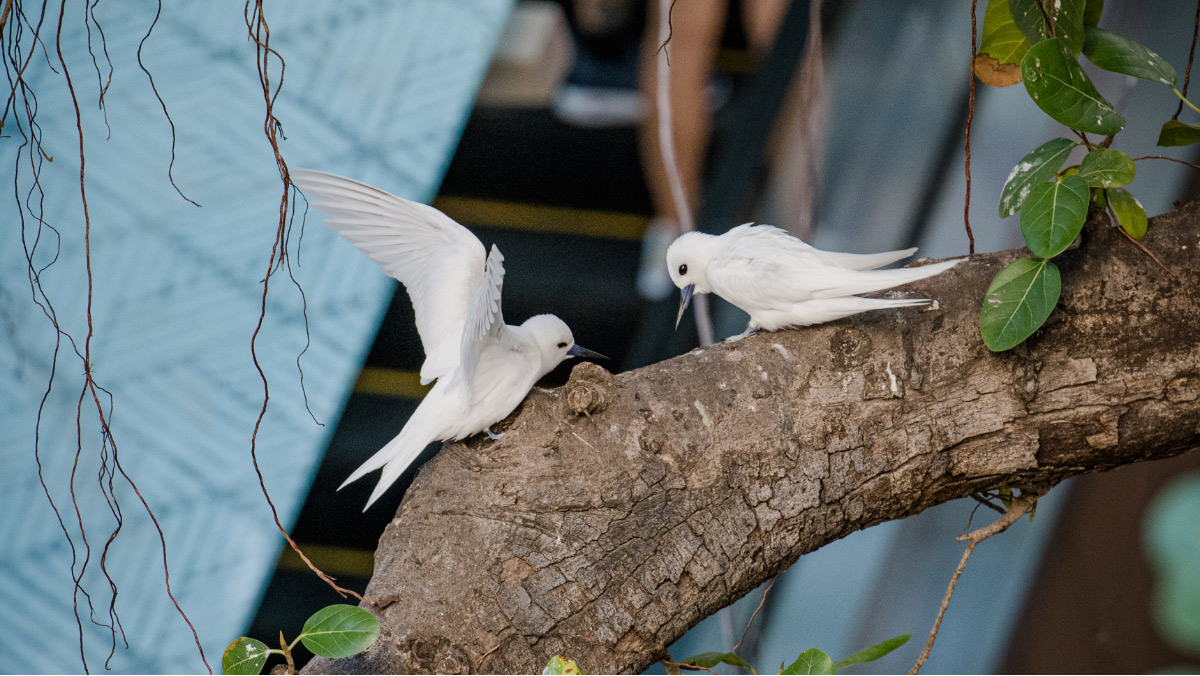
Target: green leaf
point(1057, 84)
point(811, 661)
point(1091, 12)
point(1005, 494)
point(1053, 215)
point(873, 653)
point(1129, 211)
point(712, 659)
point(245, 657)
point(1107, 168)
point(561, 666)
point(1018, 301)
point(1122, 55)
point(339, 631)
point(1176, 133)
point(1037, 167)
point(1067, 15)
point(1001, 47)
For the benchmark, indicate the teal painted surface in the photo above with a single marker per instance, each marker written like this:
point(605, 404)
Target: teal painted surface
point(377, 90)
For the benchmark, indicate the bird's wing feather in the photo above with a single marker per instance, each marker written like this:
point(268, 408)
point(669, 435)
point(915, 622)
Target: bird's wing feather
point(484, 320)
point(867, 261)
point(766, 268)
point(438, 261)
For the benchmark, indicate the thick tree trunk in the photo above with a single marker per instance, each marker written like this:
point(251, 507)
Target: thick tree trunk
point(618, 511)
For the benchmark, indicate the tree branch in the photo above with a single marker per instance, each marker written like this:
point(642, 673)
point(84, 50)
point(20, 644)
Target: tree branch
point(618, 511)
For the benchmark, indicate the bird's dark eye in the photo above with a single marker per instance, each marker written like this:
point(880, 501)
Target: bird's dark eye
point(561, 345)
point(683, 269)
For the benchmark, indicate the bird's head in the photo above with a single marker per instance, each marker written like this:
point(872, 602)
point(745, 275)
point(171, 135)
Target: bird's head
point(687, 263)
point(554, 341)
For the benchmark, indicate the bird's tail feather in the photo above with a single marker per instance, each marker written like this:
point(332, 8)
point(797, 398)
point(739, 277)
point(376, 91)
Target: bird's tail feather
point(820, 310)
point(867, 281)
point(394, 458)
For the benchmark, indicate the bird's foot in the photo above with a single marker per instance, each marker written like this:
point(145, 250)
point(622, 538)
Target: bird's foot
point(748, 332)
point(493, 435)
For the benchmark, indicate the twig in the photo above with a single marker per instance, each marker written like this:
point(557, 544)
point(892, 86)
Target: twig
point(666, 146)
point(1187, 74)
point(287, 654)
point(1046, 16)
point(1164, 157)
point(967, 133)
point(1020, 505)
point(1143, 248)
point(986, 503)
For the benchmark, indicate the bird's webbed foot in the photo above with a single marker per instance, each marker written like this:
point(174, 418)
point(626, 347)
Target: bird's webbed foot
point(492, 435)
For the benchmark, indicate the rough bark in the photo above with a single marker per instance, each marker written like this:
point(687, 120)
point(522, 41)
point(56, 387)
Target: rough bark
point(618, 511)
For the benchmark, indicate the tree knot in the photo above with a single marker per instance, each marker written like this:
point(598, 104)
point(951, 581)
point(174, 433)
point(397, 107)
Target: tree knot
point(588, 390)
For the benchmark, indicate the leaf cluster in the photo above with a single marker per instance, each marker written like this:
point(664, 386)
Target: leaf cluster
point(334, 631)
point(1038, 43)
point(811, 661)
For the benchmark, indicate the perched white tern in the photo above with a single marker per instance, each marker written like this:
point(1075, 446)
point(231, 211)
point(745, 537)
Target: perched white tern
point(483, 367)
point(781, 281)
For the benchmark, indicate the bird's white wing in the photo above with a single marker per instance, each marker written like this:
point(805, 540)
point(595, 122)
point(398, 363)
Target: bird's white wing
point(765, 268)
point(769, 235)
point(439, 261)
point(484, 320)
point(866, 261)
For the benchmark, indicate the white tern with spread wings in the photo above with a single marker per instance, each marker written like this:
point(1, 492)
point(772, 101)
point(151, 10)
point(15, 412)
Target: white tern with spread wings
point(483, 367)
point(781, 281)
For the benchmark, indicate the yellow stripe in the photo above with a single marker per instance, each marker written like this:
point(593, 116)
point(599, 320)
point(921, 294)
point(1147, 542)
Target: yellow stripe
point(390, 383)
point(541, 218)
point(336, 561)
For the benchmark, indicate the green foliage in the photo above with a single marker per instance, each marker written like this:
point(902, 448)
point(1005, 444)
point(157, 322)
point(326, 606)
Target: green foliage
point(1176, 133)
point(1035, 168)
point(339, 631)
point(1001, 47)
point(1054, 201)
point(1106, 168)
point(1054, 215)
point(561, 666)
point(245, 657)
point(811, 661)
point(711, 659)
point(873, 653)
point(1120, 55)
point(333, 631)
point(1066, 15)
point(1018, 301)
point(1057, 84)
point(1130, 214)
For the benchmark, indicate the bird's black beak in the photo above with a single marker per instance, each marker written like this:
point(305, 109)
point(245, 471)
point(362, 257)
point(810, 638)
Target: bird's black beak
point(685, 297)
point(577, 351)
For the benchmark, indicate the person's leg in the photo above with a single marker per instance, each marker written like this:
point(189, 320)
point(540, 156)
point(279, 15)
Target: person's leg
point(696, 27)
point(761, 19)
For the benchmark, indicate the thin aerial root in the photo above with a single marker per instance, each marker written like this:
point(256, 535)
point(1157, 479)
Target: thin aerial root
point(967, 133)
point(163, 104)
point(1187, 74)
point(260, 34)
